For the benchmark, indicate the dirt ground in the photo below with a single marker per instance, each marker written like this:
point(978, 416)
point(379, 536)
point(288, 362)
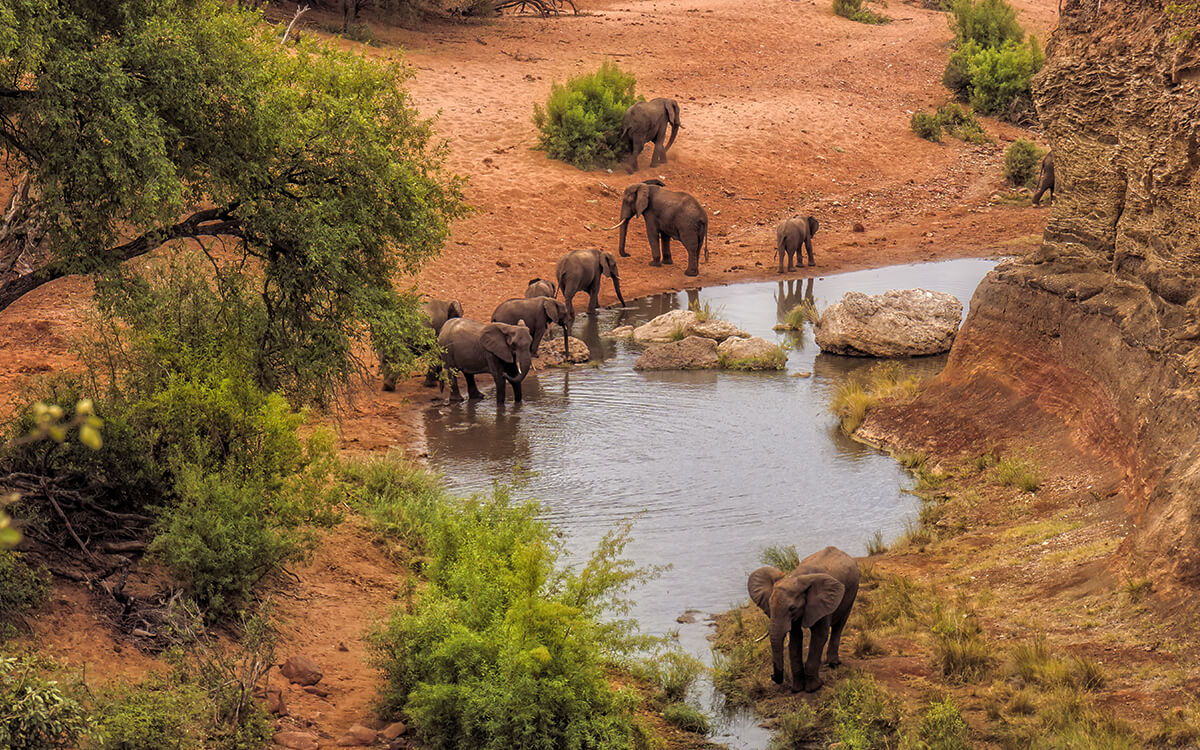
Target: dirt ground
point(787, 109)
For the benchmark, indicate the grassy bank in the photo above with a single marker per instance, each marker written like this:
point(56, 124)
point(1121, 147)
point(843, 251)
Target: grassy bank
point(995, 619)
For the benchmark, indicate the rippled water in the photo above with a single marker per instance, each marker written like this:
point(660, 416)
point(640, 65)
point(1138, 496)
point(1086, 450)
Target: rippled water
point(713, 465)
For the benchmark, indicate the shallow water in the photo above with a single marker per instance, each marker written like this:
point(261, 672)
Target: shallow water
point(714, 466)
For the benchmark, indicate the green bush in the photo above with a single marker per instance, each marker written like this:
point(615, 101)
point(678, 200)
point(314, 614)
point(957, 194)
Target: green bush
point(1021, 163)
point(1000, 77)
point(156, 714)
point(687, 718)
point(957, 75)
point(23, 588)
point(672, 673)
point(581, 123)
point(502, 648)
point(942, 727)
point(796, 728)
point(926, 126)
point(854, 10)
point(862, 714)
point(36, 713)
point(987, 23)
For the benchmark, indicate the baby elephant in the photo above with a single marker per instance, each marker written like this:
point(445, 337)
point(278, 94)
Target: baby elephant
point(817, 595)
point(789, 236)
point(540, 288)
point(537, 313)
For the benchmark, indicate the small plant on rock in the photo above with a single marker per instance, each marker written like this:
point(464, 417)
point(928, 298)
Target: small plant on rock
point(854, 10)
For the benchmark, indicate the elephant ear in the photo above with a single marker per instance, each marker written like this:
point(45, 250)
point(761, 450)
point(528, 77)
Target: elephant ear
point(608, 265)
point(643, 199)
point(494, 340)
point(552, 307)
point(824, 595)
point(761, 584)
point(812, 226)
point(455, 310)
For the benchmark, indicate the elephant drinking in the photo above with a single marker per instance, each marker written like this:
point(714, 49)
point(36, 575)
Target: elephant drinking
point(580, 271)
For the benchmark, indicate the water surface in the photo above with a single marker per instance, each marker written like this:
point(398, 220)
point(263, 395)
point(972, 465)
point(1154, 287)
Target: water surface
point(714, 465)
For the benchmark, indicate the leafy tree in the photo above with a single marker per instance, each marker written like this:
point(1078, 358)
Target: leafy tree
point(134, 123)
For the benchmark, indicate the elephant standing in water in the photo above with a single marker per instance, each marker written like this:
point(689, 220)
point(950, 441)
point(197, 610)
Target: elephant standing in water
point(537, 313)
point(669, 215)
point(472, 348)
point(580, 271)
point(1045, 179)
point(437, 312)
point(790, 236)
point(648, 121)
point(817, 595)
point(540, 288)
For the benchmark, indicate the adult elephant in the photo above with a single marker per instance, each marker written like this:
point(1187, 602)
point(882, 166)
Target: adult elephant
point(817, 595)
point(792, 237)
point(436, 313)
point(669, 215)
point(537, 313)
point(473, 348)
point(1045, 179)
point(648, 121)
point(540, 288)
point(580, 271)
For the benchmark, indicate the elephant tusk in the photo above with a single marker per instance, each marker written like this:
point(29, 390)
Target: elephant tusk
point(614, 226)
point(761, 638)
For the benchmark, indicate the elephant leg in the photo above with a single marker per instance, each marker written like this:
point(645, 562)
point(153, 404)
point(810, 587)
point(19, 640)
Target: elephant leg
point(516, 392)
point(796, 656)
point(691, 242)
point(634, 149)
point(818, 635)
point(570, 306)
point(652, 236)
point(666, 248)
point(594, 299)
point(660, 154)
point(537, 340)
point(455, 395)
point(808, 247)
point(472, 391)
point(832, 658)
point(792, 257)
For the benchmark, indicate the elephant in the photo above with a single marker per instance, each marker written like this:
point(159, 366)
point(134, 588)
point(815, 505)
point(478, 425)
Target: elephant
point(817, 595)
point(471, 347)
point(669, 215)
point(580, 271)
point(540, 288)
point(648, 121)
point(537, 313)
point(437, 312)
point(1045, 179)
point(789, 236)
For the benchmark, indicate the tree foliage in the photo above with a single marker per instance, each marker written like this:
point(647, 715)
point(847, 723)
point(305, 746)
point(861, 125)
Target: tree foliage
point(138, 122)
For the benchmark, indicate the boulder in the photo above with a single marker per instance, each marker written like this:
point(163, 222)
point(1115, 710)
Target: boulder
point(393, 730)
point(897, 323)
point(358, 736)
point(692, 353)
point(751, 353)
point(663, 328)
point(550, 353)
point(301, 670)
point(296, 740)
point(620, 332)
point(717, 330)
point(274, 702)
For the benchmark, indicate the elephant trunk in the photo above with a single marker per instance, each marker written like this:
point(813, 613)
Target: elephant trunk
point(566, 340)
point(624, 231)
point(617, 288)
point(780, 624)
point(522, 364)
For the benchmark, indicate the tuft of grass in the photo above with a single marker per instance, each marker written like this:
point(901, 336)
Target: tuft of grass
point(804, 312)
point(866, 644)
point(861, 713)
point(926, 126)
point(785, 558)
point(960, 652)
point(856, 396)
point(942, 727)
point(704, 311)
point(1179, 727)
point(672, 673)
point(687, 718)
point(796, 728)
point(876, 545)
point(985, 461)
point(854, 10)
point(1137, 589)
point(915, 534)
point(1014, 472)
point(911, 461)
point(776, 360)
point(892, 602)
point(678, 333)
point(1035, 664)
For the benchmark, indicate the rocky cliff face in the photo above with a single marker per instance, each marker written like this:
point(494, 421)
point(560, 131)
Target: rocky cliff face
point(1096, 335)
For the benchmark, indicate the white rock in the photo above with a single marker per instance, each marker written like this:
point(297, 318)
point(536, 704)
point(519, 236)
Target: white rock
point(898, 323)
point(662, 328)
point(751, 349)
point(718, 330)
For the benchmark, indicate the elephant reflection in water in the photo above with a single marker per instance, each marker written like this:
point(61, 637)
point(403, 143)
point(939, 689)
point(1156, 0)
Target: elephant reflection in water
point(471, 433)
point(791, 293)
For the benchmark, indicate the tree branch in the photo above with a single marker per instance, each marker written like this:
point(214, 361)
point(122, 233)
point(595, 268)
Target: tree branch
point(210, 222)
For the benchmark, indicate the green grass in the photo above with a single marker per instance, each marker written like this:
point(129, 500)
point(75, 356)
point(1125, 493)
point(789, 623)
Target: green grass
point(704, 311)
point(960, 651)
point(776, 360)
point(942, 727)
point(687, 718)
point(795, 728)
point(854, 10)
point(779, 556)
point(804, 312)
point(876, 545)
point(1015, 472)
point(861, 713)
point(855, 396)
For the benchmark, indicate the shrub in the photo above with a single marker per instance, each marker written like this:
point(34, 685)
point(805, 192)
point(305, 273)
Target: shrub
point(35, 713)
point(987, 23)
point(854, 10)
point(957, 75)
point(942, 727)
point(156, 714)
point(1021, 162)
point(926, 126)
point(961, 123)
point(1000, 77)
point(795, 728)
point(1014, 472)
point(960, 651)
point(673, 673)
point(503, 648)
point(687, 718)
point(23, 588)
point(862, 714)
point(581, 123)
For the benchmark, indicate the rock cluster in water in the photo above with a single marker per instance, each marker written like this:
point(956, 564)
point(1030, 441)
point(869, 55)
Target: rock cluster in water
point(897, 323)
point(698, 348)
